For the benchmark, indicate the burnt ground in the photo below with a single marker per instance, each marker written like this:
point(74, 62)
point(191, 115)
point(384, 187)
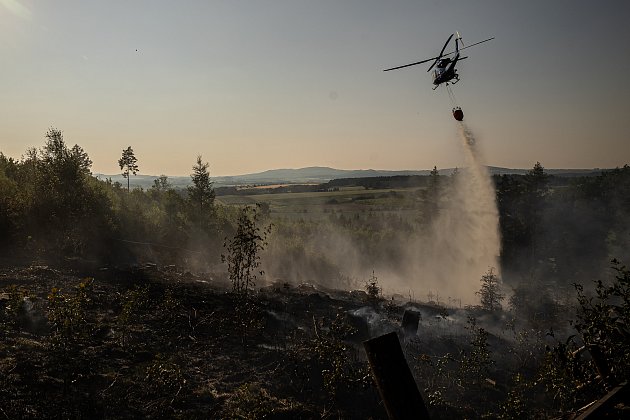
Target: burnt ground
point(170, 344)
point(153, 342)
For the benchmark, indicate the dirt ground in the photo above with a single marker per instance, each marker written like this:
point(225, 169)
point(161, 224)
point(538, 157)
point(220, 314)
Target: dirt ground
point(162, 343)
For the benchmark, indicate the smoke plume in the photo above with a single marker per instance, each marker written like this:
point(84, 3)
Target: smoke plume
point(438, 250)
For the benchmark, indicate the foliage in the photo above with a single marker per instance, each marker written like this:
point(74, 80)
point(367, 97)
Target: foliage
point(67, 314)
point(490, 292)
point(132, 301)
point(562, 373)
point(438, 380)
point(340, 374)
point(522, 201)
point(572, 377)
point(51, 207)
point(373, 289)
point(475, 363)
point(243, 251)
point(536, 181)
point(15, 304)
point(58, 198)
point(128, 164)
point(603, 323)
point(161, 183)
point(201, 193)
point(517, 405)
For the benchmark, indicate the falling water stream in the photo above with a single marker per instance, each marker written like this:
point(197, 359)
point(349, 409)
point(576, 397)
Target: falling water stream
point(463, 241)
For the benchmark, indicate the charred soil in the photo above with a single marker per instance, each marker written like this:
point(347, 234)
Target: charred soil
point(168, 344)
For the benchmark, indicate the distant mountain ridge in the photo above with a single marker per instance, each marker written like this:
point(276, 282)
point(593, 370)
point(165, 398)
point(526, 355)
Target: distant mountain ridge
point(319, 174)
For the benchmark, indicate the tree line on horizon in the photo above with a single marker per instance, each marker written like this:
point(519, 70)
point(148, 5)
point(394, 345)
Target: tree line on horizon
point(51, 204)
point(52, 207)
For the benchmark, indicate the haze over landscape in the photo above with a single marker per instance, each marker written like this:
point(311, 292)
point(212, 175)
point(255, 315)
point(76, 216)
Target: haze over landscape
point(288, 84)
point(219, 209)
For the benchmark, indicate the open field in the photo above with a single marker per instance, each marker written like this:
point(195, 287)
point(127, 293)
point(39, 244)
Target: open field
point(347, 200)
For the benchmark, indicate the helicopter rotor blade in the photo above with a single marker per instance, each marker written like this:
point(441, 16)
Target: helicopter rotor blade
point(468, 46)
point(412, 64)
point(441, 52)
point(445, 44)
point(435, 59)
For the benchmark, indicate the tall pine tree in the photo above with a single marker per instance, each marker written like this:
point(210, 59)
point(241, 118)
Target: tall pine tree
point(201, 192)
point(128, 164)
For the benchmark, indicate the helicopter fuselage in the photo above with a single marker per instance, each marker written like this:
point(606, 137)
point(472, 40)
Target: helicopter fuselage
point(445, 71)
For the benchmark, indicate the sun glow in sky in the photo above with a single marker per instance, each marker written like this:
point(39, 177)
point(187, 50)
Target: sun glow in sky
point(256, 85)
point(17, 8)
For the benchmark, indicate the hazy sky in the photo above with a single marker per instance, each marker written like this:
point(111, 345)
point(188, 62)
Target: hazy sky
point(263, 84)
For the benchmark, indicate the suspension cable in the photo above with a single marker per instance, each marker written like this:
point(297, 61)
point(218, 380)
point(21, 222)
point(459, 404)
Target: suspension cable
point(451, 96)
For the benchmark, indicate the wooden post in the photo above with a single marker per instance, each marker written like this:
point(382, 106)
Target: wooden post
point(393, 378)
point(410, 322)
point(606, 404)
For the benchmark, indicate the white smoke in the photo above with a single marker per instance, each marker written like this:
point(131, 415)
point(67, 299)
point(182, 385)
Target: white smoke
point(442, 260)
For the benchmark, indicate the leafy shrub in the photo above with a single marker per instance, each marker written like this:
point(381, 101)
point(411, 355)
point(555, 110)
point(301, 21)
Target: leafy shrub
point(132, 301)
point(67, 314)
point(373, 289)
point(243, 251)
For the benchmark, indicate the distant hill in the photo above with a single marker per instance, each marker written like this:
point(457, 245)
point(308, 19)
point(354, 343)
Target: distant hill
point(319, 175)
point(314, 174)
point(310, 175)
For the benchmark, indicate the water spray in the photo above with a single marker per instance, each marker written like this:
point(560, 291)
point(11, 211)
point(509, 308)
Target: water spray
point(463, 240)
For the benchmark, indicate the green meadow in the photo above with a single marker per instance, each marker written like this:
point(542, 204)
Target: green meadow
point(317, 205)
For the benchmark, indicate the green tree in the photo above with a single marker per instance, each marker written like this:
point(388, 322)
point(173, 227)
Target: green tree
point(490, 292)
point(243, 251)
point(434, 179)
point(433, 190)
point(161, 183)
point(59, 199)
point(476, 361)
point(9, 199)
point(536, 190)
point(373, 289)
point(65, 162)
point(201, 192)
point(128, 164)
point(537, 181)
point(603, 322)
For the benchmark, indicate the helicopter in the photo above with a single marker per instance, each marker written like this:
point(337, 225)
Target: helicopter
point(444, 71)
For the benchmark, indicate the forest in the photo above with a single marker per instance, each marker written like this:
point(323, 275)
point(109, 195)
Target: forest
point(184, 303)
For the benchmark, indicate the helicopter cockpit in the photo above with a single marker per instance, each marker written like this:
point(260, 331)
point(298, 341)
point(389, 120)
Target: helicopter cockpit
point(441, 64)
